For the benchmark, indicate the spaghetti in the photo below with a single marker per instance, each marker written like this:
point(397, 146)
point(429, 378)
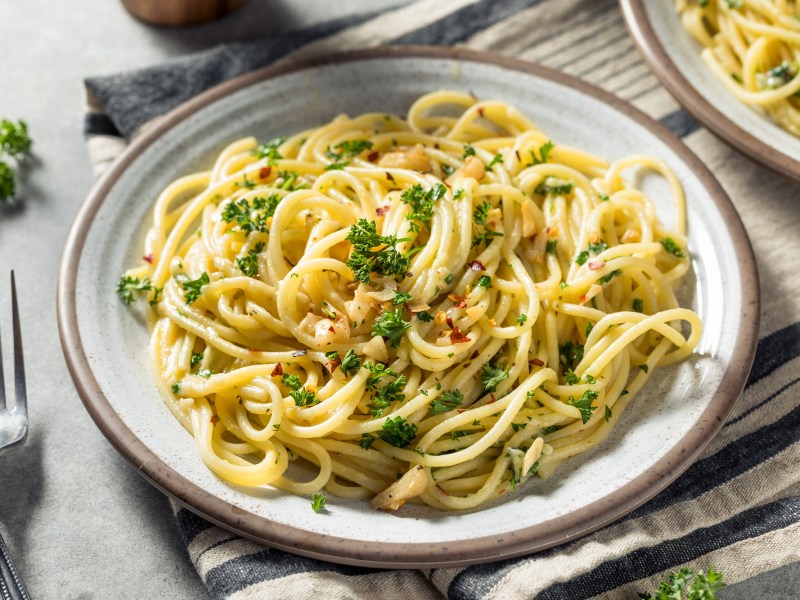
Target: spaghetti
point(752, 47)
point(433, 308)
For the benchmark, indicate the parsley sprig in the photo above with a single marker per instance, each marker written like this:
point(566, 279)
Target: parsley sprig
point(194, 287)
point(391, 325)
point(14, 143)
point(492, 375)
point(248, 264)
point(374, 253)
point(251, 215)
point(485, 233)
point(301, 396)
point(584, 404)
point(269, 150)
point(449, 400)
point(544, 151)
point(422, 202)
point(688, 584)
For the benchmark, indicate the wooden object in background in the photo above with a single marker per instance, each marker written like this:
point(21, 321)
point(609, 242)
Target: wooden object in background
point(176, 13)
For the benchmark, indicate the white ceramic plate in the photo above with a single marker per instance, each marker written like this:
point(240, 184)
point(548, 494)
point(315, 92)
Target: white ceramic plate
point(658, 437)
point(674, 57)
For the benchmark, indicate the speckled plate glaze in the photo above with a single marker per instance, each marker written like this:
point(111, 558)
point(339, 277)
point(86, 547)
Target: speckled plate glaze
point(674, 57)
point(658, 437)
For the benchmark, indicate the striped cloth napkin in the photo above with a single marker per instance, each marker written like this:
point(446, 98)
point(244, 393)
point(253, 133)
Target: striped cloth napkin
point(737, 508)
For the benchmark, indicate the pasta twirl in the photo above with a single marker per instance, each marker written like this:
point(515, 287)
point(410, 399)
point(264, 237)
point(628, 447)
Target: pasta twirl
point(432, 308)
point(752, 47)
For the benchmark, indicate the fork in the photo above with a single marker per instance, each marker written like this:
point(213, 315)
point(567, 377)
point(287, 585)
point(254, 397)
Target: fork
point(13, 431)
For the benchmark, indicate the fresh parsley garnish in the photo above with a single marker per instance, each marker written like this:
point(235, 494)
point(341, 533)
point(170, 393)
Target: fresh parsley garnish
point(425, 316)
point(492, 375)
point(421, 202)
point(468, 151)
point(251, 216)
point(597, 248)
point(248, 264)
point(374, 253)
point(484, 281)
point(318, 502)
point(551, 429)
point(584, 404)
point(479, 217)
point(689, 585)
point(301, 396)
point(289, 182)
point(608, 414)
point(544, 151)
point(551, 247)
point(14, 143)
point(401, 298)
point(672, 247)
point(195, 360)
point(551, 185)
point(390, 325)
point(129, 287)
point(570, 354)
point(269, 150)
point(498, 158)
point(384, 397)
point(193, 287)
point(449, 400)
point(638, 305)
point(398, 432)
point(521, 319)
point(350, 364)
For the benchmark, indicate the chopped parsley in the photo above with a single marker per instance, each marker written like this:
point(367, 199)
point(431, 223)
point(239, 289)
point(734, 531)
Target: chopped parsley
point(318, 502)
point(425, 316)
point(551, 429)
point(449, 400)
point(479, 216)
point(249, 264)
point(398, 432)
point(384, 397)
point(552, 185)
point(378, 371)
point(468, 151)
point(672, 247)
point(570, 354)
point(367, 439)
point(498, 159)
point(391, 326)
point(269, 150)
point(571, 378)
point(128, 287)
point(301, 396)
point(14, 143)
point(485, 281)
point(401, 298)
point(481, 213)
point(374, 253)
point(421, 202)
point(597, 248)
point(350, 364)
point(638, 305)
point(688, 584)
point(194, 287)
point(544, 151)
point(250, 216)
point(290, 181)
point(644, 368)
point(608, 414)
point(195, 360)
point(492, 375)
point(521, 319)
point(551, 247)
point(610, 276)
point(584, 404)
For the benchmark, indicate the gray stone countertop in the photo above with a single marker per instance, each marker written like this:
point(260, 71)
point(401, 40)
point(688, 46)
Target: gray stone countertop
point(79, 521)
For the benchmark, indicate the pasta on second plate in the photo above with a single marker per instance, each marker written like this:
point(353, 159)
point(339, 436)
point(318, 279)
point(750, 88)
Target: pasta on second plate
point(753, 48)
point(431, 308)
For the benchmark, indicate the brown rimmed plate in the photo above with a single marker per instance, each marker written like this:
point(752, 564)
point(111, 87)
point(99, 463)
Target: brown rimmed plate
point(105, 343)
point(674, 56)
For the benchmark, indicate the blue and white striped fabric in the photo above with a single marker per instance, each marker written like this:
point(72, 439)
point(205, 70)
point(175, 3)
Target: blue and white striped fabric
point(737, 508)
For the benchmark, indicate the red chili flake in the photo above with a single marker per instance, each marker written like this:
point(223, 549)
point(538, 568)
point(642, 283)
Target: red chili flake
point(449, 322)
point(382, 210)
point(277, 371)
point(148, 258)
point(538, 363)
point(456, 337)
point(480, 110)
point(265, 172)
point(492, 399)
point(436, 145)
point(213, 419)
point(373, 156)
point(335, 363)
point(594, 265)
point(253, 350)
point(389, 177)
point(461, 410)
point(460, 302)
point(477, 265)
point(519, 158)
point(474, 355)
point(331, 329)
point(302, 352)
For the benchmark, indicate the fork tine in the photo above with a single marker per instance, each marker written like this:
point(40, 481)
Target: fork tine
point(19, 363)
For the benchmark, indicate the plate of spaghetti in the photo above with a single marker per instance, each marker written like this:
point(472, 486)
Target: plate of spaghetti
point(408, 307)
point(733, 65)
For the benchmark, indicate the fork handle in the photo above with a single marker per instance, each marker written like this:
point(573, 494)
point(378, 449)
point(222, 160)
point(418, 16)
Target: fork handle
point(11, 586)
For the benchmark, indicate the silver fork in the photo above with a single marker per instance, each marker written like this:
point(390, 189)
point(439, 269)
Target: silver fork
point(13, 431)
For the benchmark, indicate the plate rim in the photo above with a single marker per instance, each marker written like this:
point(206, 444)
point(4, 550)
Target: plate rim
point(387, 554)
point(655, 55)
